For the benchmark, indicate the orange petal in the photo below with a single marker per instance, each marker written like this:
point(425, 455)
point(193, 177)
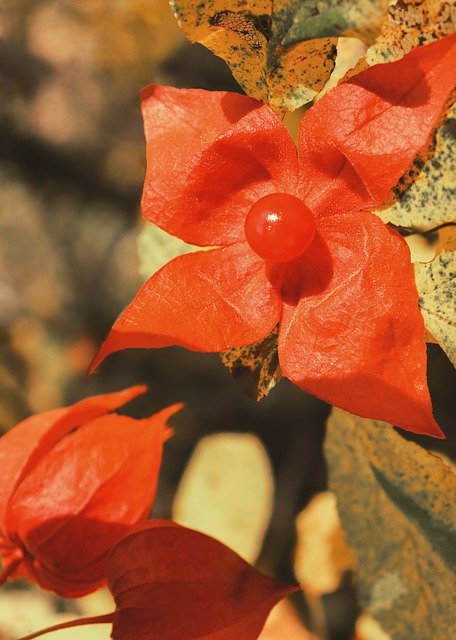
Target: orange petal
point(358, 140)
point(210, 156)
point(355, 338)
point(206, 301)
point(83, 495)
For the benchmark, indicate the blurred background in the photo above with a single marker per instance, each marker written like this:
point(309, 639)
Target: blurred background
point(71, 172)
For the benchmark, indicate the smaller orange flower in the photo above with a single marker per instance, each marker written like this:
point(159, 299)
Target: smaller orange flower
point(73, 481)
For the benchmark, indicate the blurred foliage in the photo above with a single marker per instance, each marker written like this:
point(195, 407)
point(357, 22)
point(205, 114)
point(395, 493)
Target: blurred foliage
point(322, 555)
point(227, 492)
point(156, 248)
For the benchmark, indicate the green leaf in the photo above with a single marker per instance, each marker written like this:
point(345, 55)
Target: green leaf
point(308, 24)
point(436, 284)
point(280, 51)
point(255, 367)
point(396, 503)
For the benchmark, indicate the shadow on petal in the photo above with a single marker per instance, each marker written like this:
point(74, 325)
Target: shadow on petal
point(71, 567)
point(308, 275)
point(230, 105)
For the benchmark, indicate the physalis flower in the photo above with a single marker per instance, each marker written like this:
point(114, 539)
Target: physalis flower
point(294, 240)
point(74, 480)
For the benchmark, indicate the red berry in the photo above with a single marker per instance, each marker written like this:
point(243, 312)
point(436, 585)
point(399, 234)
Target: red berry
point(279, 227)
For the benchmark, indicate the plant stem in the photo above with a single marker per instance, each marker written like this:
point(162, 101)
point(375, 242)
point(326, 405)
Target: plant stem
point(103, 619)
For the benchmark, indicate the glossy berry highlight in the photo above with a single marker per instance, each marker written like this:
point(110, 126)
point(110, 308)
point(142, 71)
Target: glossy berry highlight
point(279, 227)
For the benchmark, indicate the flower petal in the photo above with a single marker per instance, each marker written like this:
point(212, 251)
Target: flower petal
point(358, 340)
point(210, 156)
point(358, 140)
point(26, 443)
point(83, 496)
point(171, 582)
point(205, 301)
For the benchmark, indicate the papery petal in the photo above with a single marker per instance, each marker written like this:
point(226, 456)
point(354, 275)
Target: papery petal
point(26, 443)
point(205, 301)
point(357, 341)
point(210, 156)
point(170, 582)
point(82, 497)
point(360, 138)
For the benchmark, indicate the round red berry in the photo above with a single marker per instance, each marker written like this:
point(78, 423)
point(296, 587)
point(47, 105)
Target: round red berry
point(279, 227)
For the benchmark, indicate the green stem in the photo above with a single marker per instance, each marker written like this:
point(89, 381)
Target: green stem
point(103, 619)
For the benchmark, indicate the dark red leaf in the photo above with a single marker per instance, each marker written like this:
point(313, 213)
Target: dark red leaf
point(170, 582)
point(173, 583)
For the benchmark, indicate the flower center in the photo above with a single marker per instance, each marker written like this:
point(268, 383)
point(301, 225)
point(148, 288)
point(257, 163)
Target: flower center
point(279, 227)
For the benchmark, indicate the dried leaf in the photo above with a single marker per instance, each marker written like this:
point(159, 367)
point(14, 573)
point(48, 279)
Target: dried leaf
point(425, 197)
point(436, 283)
point(394, 500)
point(322, 555)
point(409, 24)
point(280, 52)
point(227, 492)
point(255, 367)
point(171, 582)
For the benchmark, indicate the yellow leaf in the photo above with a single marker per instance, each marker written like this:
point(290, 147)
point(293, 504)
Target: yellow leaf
point(396, 506)
point(436, 284)
point(425, 197)
point(156, 248)
point(227, 491)
point(409, 24)
point(447, 239)
point(322, 555)
point(130, 33)
point(283, 51)
point(422, 247)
